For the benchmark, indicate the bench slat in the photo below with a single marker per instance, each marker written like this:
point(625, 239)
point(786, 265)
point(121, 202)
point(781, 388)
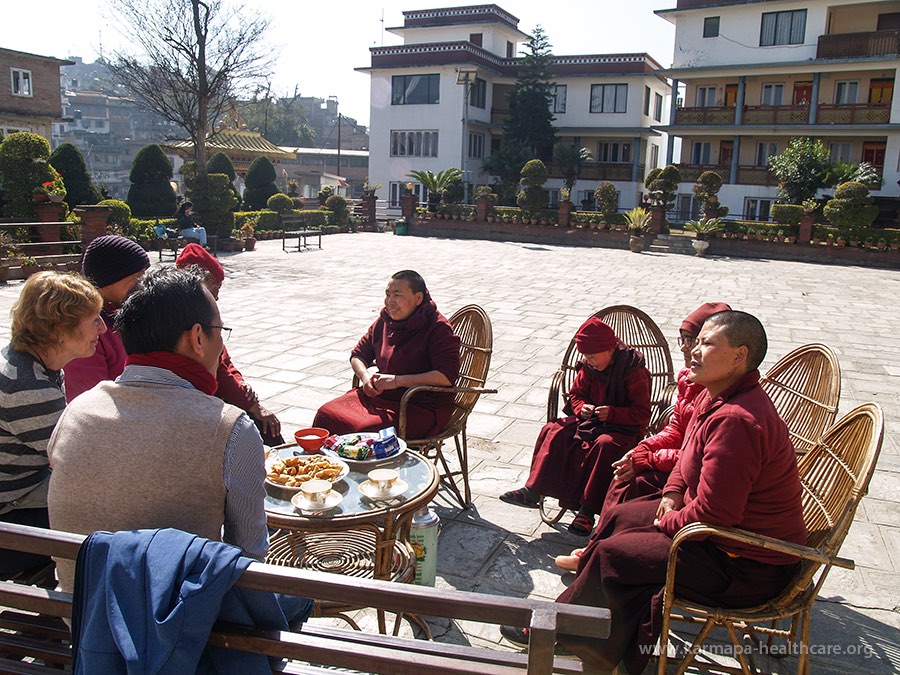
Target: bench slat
point(10, 667)
point(24, 645)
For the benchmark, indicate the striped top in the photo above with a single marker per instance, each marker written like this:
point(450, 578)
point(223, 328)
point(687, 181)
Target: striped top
point(31, 401)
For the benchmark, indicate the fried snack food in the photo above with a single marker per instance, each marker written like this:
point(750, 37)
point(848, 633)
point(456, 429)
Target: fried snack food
point(292, 471)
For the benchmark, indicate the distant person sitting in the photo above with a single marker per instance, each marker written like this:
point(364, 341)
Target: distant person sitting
point(187, 228)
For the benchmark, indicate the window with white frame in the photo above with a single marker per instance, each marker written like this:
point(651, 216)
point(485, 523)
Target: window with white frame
point(478, 93)
point(647, 101)
point(711, 27)
point(413, 89)
point(21, 82)
point(706, 97)
point(840, 152)
point(587, 197)
point(757, 209)
point(553, 198)
point(846, 92)
point(700, 152)
point(782, 28)
point(772, 93)
point(614, 151)
point(414, 143)
point(6, 131)
point(657, 107)
point(654, 155)
point(558, 98)
point(608, 98)
point(476, 145)
point(765, 150)
point(687, 206)
point(396, 190)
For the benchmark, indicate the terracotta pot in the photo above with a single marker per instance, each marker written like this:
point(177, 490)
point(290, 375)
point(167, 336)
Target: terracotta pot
point(636, 244)
point(700, 247)
point(28, 270)
point(40, 197)
point(249, 243)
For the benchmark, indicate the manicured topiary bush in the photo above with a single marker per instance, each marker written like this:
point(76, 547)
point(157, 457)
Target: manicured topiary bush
point(533, 176)
point(852, 207)
point(214, 204)
point(80, 189)
point(24, 167)
point(151, 194)
point(607, 200)
point(260, 184)
point(120, 216)
point(280, 202)
point(221, 163)
point(787, 214)
point(339, 212)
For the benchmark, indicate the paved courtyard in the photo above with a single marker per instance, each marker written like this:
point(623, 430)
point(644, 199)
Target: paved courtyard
point(296, 316)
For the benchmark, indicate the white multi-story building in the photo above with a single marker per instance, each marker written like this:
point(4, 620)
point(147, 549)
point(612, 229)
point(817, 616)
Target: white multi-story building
point(751, 76)
point(420, 120)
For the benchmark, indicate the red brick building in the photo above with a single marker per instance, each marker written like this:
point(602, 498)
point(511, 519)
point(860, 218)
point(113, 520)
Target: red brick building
point(29, 92)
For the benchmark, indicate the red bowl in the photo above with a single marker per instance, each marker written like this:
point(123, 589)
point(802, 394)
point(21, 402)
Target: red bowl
point(310, 439)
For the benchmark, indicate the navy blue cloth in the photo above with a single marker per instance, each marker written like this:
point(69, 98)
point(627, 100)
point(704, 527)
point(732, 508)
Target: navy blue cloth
point(146, 600)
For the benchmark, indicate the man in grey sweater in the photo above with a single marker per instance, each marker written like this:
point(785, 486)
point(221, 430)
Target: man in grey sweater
point(154, 448)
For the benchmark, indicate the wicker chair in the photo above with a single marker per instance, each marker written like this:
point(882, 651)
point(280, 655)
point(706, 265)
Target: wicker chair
point(805, 386)
point(835, 475)
point(637, 330)
point(473, 327)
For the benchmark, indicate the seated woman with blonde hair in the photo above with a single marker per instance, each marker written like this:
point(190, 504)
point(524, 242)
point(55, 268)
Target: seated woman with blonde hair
point(56, 319)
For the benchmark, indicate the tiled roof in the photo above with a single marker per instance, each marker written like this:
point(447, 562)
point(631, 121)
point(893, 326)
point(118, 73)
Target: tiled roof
point(237, 140)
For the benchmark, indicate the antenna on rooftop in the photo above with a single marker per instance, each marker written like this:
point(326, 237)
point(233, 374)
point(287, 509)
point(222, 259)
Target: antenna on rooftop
point(382, 26)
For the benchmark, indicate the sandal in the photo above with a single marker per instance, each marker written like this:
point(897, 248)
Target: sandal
point(519, 498)
point(581, 525)
point(515, 634)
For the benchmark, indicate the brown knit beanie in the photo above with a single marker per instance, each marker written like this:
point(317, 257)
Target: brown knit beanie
point(111, 258)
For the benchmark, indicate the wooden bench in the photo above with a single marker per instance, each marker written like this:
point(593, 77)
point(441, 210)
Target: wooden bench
point(33, 638)
point(302, 235)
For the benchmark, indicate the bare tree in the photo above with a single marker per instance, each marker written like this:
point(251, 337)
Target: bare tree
point(192, 58)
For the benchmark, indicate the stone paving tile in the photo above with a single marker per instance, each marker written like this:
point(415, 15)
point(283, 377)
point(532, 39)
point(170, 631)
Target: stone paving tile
point(294, 327)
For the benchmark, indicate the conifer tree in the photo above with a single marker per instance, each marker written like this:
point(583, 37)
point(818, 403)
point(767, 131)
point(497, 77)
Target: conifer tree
point(80, 189)
point(530, 120)
point(151, 194)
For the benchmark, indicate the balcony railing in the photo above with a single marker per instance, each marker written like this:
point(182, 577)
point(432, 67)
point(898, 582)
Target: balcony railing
point(499, 116)
point(600, 171)
point(862, 113)
point(827, 113)
point(691, 172)
point(747, 175)
point(776, 114)
point(755, 175)
point(704, 116)
point(848, 45)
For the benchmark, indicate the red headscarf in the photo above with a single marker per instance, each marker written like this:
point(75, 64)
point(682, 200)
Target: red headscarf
point(694, 321)
point(194, 254)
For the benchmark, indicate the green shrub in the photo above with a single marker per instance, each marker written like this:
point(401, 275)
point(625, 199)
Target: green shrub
point(151, 194)
point(787, 214)
point(68, 160)
point(261, 220)
point(851, 208)
point(23, 168)
point(314, 218)
point(120, 216)
point(280, 202)
point(340, 214)
point(607, 199)
point(215, 203)
point(260, 184)
point(299, 204)
point(534, 173)
point(221, 163)
point(662, 184)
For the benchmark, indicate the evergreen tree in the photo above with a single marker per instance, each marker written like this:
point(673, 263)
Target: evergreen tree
point(80, 189)
point(530, 120)
point(260, 184)
point(24, 166)
point(221, 163)
point(151, 194)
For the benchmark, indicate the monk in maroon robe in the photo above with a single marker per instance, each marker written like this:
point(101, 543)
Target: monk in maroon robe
point(642, 472)
point(410, 344)
point(737, 468)
point(608, 409)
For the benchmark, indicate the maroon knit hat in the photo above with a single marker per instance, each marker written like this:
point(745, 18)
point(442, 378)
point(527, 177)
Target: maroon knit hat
point(595, 336)
point(194, 254)
point(694, 321)
point(111, 258)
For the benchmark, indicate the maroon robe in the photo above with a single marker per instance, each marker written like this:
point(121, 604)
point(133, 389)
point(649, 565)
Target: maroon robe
point(737, 468)
point(573, 457)
point(234, 390)
point(423, 342)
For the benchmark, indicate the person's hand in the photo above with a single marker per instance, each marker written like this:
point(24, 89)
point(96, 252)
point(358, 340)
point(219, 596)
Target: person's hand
point(671, 501)
point(249, 394)
point(586, 412)
point(384, 382)
point(368, 385)
point(271, 425)
point(624, 468)
point(602, 412)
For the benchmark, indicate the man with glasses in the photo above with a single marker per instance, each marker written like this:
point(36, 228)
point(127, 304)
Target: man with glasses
point(155, 448)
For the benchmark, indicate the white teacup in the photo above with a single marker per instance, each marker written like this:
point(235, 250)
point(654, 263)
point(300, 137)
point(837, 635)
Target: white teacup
point(315, 491)
point(383, 479)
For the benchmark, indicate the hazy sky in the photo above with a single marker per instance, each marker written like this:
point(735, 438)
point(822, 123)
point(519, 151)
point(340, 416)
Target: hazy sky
point(320, 43)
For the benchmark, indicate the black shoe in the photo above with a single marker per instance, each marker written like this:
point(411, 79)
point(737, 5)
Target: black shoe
point(515, 634)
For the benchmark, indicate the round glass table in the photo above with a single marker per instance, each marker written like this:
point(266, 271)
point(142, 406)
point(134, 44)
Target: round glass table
point(359, 537)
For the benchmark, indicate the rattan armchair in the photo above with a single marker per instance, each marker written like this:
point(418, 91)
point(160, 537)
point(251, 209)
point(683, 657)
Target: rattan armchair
point(637, 330)
point(835, 475)
point(473, 327)
point(805, 386)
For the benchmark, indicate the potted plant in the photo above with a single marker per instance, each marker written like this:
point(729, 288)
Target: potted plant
point(247, 236)
point(637, 223)
point(401, 226)
point(703, 229)
point(29, 266)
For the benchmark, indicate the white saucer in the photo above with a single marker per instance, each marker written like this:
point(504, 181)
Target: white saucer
point(332, 499)
point(367, 489)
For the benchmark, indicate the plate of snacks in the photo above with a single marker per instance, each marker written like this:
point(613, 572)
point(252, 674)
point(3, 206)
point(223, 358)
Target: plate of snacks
point(364, 449)
point(292, 471)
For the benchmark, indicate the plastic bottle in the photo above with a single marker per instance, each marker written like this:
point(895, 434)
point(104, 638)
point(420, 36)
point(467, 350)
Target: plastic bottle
point(424, 539)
